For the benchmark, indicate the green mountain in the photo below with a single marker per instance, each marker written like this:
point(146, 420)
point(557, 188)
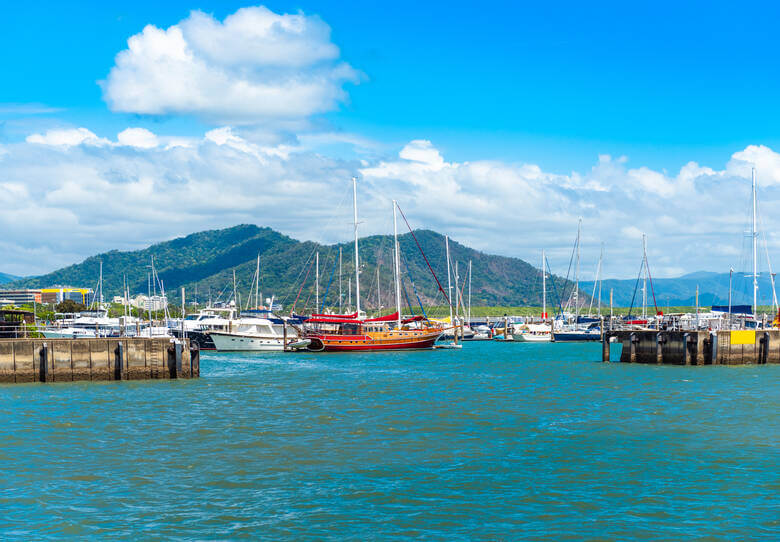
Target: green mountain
point(203, 263)
point(5, 277)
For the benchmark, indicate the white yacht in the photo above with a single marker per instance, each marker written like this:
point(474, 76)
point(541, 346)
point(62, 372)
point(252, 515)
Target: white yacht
point(533, 333)
point(254, 333)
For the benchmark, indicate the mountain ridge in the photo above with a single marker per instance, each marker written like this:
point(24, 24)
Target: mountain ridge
point(204, 262)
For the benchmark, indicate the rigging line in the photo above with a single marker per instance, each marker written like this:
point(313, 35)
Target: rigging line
point(311, 262)
point(652, 288)
point(327, 288)
point(636, 286)
point(414, 287)
point(552, 281)
point(303, 268)
point(441, 289)
point(566, 280)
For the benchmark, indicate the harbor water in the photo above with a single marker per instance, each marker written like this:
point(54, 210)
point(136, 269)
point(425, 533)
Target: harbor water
point(494, 441)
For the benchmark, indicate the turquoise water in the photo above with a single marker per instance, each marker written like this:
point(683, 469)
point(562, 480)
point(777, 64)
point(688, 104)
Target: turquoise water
point(495, 441)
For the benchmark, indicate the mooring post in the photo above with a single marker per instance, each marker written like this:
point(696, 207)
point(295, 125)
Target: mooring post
point(178, 351)
point(634, 340)
point(44, 363)
point(605, 347)
point(660, 339)
point(119, 362)
point(714, 347)
point(194, 360)
point(284, 335)
point(686, 349)
point(764, 348)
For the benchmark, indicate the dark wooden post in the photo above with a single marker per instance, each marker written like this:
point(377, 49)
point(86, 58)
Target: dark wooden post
point(194, 360)
point(660, 339)
point(686, 349)
point(605, 347)
point(634, 341)
point(284, 335)
point(178, 351)
point(44, 363)
point(763, 348)
point(119, 362)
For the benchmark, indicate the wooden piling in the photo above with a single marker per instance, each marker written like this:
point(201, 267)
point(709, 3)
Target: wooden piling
point(605, 347)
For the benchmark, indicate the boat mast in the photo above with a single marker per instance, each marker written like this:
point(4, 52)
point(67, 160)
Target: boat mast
point(644, 284)
point(341, 293)
point(754, 235)
point(544, 290)
point(601, 262)
point(469, 315)
point(457, 290)
point(357, 260)
point(317, 283)
point(397, 263)
point(449, 284)
point(235, 297)
point(257, 285)
point(100, 299)
point(577, 276)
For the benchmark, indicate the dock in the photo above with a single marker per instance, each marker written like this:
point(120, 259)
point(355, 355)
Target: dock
point(724, 347)
point(120, 358)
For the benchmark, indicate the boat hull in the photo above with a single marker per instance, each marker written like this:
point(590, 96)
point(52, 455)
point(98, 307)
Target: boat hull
point(575, 336)
point(532, 338)
point(231, 342)
point(324, 344)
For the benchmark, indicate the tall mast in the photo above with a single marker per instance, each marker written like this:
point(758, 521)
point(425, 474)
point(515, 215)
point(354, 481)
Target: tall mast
point(317, 284)
point(257, 285)
point(577, 276)
point(449, 284)
point(469, 315)
point(378, 288)
point(457, 289)
point(357, 260)
point(341, 293)
point(100, 299)
point(544, 289)
point(600, 279)
point(754, 234)
point(235, 296)
point(644, 286)
point(397, 263)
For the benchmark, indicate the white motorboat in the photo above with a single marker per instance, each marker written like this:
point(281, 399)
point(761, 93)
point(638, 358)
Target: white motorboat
point(533, 333)
point(253, 334)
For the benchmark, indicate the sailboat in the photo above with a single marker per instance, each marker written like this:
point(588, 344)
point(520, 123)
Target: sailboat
point(537, 333)
point(354, 332)
point(581, 328)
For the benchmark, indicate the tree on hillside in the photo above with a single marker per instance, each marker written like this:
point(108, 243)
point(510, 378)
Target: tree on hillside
point(69, 305)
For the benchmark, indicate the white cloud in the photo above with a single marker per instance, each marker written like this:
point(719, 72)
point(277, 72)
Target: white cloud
point(138, 137)
point(67, 137)
point(98, 195)
point(252, 67)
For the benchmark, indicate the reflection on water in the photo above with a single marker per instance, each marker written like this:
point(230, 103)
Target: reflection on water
point(491, 441)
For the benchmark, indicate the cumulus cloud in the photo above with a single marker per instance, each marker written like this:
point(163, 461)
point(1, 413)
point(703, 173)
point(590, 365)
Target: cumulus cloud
point(98, 194)
point(137, 137)
point(67, 137)
point(254, 66)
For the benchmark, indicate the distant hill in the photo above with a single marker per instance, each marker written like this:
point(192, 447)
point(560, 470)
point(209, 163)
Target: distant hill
point(204, 262)
point(5, 277)
point(681, 291)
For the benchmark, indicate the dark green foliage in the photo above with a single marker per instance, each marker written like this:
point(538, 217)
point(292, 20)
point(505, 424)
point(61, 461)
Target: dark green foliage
point(204, 262)
point(69, 305)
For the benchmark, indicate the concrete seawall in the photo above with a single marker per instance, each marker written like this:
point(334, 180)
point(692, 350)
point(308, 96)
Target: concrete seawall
point(66, 360)
point(696, 347)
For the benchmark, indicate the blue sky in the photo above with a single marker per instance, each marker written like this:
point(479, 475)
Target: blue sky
point(554, 83)
point(532, 115)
